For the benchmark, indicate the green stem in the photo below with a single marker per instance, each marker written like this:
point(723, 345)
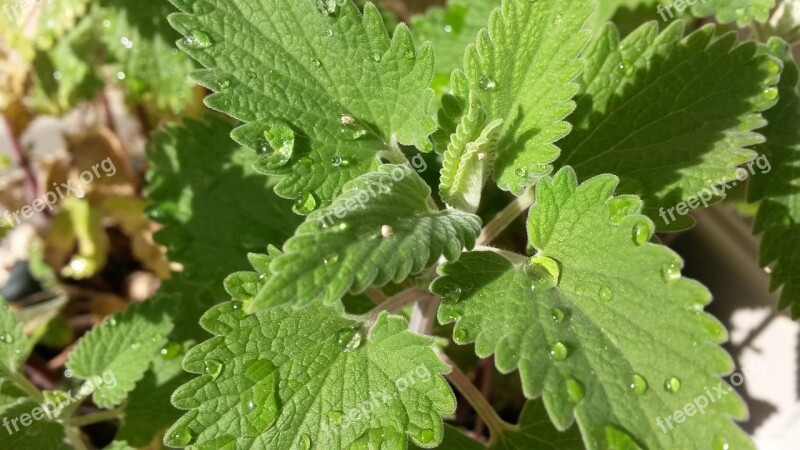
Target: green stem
point(27, 386)
point(100, 416)
point(74, 438)
point(476, 399)
point(506, 217)
point(511, 256)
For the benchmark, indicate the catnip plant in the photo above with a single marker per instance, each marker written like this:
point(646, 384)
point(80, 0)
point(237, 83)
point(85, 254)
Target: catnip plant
point(374, 203)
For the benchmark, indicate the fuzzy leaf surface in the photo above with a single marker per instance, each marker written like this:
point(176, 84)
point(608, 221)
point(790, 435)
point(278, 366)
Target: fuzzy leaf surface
point(598, 323)
point(292, 379)
point(13, 347)
point(379, 230)
point(523, 68)
point(335, 77)
point(779, 190)
point(670, 115)
point(123, 346)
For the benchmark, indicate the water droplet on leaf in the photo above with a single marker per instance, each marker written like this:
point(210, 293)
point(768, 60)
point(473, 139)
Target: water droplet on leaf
point(426, 436)
point(212, 367)
point(486, 84)
point(671, 271)
point(305, 204)
point(387, 231)
point(673, 385)
point(170, 351)
point(638, 384)
point(557, 315)
point(559, 351)
point(197, 40)
point(721, 443)
point(606, 293)
point(575, 390)
point(545, 271)
point(327, 7)
point(261, 400)
point(642, 232)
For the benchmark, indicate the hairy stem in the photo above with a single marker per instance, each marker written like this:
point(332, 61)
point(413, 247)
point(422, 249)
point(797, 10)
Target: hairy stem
point(506, 217)
point(74, 437)
point(376, 295)
point(401, 300)
point(27, 386)
point(476, 399)
point(97, 417)
point(511, 256)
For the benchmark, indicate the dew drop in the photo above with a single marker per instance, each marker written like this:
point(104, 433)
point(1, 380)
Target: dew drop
point(305, 204)
point(335, 416)
point(671, 271)
point(328, 33)
point(110, 322)
point(347, 119)
point(212, 367)
point(638, 384)
point(336, 160)
point(315, 62)
point(545, 271)
point(170, 351)
point(376, 57)
point(426, 436)
point(461, 334)
point(181, 437)
point(772, 67)
point(350, 339)
point(521, 173)
point(333, 258)
point(575, 390)
point(487, 84)
point(197, 40)
point(449, 315)
point(559, 351)
point(673, 385)
point(721, 443)
point(261, 401)
point(770, 94)
point(606, 293)
point(238, 309)
point(387, 231)
point(642, 232)
point(7, 338)
point(305, 442)
point(452, 293)
point(557, 314)
point(448, 28)
point(622, 206)
point(327, 7)
point(409, 55)
point(135, 345)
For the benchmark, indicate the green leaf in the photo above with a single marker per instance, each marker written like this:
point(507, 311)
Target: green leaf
point(779, 188)
point(670, 116)
point(533, 431)
point(297, 379)
point(379, 230)
point(13, 344)
point(63, 74)
point(523, 69)
point(334, 77)
point(120, 350)
point(628, 15)
point(451, 29)
point(141, 42)
point(743, 12)
point(201, 182)
point(55, 19)
point(599, 322)
point(469, 159)
point(148, 411)
point(39, 433)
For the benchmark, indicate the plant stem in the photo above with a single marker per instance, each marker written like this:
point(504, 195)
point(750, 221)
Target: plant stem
point(506, 217)
point(376, 295)
point(100, 416)
point(74, 438)
point(23, 161)
point(400, 301)
point(511, 256)
point(476, 399)
point(27, 386)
